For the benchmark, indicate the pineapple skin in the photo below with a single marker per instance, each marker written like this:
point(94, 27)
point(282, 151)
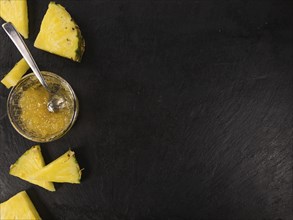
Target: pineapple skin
point(21, 170)
point(15, 74)
point(19, 207)
point(64, 169)
point(45, 41)
point(81, 45)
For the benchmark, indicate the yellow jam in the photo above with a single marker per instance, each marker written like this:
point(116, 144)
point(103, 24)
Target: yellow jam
point(35, 116)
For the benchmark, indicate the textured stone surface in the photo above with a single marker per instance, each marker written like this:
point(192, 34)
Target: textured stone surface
point(185, 111)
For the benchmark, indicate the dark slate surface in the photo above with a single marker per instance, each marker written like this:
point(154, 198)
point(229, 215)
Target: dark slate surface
point(186, 111)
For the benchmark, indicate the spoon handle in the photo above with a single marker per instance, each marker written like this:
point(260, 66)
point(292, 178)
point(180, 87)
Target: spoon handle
point(22, 48)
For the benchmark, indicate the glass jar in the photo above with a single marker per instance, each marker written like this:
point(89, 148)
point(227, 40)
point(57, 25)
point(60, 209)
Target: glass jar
point(27, 108)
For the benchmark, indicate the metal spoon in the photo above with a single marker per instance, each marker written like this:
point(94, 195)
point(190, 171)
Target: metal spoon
point(56, 101)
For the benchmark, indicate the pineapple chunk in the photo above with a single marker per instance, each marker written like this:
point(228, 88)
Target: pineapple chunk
point(15, 11)
point(19, 207)
point(12, 78)
point(29, 163)
point(64, 169)
point(59, 34)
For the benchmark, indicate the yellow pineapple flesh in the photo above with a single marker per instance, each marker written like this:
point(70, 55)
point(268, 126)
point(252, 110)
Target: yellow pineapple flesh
point(15, 11)
point(64, 169)
point(15, 74)
point(59, 34)
point(19, 207)
point(28, 164)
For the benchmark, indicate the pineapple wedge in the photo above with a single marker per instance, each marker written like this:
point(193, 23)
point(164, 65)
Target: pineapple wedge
point(12, 78)
point(15, 11)
point(59, 34)
point(64, 169)
point(19, 207)
point(29, 163)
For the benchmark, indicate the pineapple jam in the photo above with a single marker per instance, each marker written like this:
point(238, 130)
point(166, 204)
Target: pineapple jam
point(35, 116)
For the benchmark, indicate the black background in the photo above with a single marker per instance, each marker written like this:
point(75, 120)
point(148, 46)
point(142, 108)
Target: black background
point(185, 111)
